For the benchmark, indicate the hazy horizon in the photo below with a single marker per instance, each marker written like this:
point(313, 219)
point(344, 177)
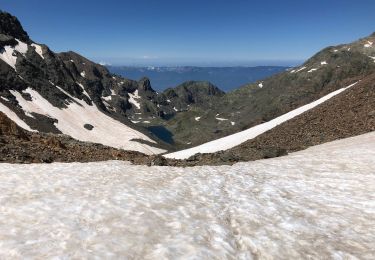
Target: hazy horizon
point(140, 63)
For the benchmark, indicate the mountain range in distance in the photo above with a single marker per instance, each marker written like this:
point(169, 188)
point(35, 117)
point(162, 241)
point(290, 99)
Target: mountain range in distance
point(226, 78)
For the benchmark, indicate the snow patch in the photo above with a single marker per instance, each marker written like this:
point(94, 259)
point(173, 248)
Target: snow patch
point(4, 98)
point(107, 130)
point(232, 123)
point(83, 90)
point(133, 99)
point(323, 63)
point(314, 69)
point(197, 118)
point(260, 85)
point(38, 50)
point(83, 74)
point(298, 70)
point(108, 98)
point(14, 117)
point(21, 47)
point(368, 44)
point(238, 138)
point(7, 53)
point(108, 106)
point(221, 119)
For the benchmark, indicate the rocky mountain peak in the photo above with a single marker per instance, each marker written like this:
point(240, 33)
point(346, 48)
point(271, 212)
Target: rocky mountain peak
point(144, 84)
point(200, 87)
point(10, 26)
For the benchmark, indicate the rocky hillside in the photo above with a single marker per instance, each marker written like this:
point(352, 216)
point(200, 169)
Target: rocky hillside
point(20, 146)
point(65, 93)
point(264, 100)
point(350, 113)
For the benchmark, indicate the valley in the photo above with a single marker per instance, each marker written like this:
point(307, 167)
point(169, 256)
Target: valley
point(185, 162)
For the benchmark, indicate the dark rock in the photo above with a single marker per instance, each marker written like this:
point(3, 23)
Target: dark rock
point(88, 126)
point(8, 127)
point(272, 152)
point(7, 40)
point(46, 158)
point(159, 160)
point(228, 157)
point(194, 157)
point(9, 25)
point(145, 85)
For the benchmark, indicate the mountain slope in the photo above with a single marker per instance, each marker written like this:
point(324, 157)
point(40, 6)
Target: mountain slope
point(20, 146)
point(65, 93)
point(231, 141)
point(349, 113)
point(264, 100)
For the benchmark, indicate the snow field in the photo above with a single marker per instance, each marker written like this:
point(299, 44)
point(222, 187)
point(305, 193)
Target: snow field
point(315, 204)
point(71, 120)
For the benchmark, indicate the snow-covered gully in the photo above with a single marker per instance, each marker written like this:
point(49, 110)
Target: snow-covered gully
point(314, 204)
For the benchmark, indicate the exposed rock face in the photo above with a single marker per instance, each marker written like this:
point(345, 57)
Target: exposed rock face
point(193, 92)
point(9, 25)
point(144, 85)
point(9, 128)
point(7, 40)
point(64, 78)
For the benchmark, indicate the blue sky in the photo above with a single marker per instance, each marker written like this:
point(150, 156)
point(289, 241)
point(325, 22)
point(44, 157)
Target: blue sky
point(204, 32)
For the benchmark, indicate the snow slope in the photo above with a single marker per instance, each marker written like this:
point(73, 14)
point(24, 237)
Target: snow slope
point(14, 117)
point(6, 54)
point(71, 121)
point(38, 50)
point(240, 137)
point(315, 204)
point(133, 99)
